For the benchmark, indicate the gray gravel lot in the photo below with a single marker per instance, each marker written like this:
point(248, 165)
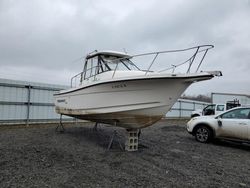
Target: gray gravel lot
point(168, 157)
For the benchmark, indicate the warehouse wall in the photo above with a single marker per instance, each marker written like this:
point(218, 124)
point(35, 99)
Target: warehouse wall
point(183, 108)
point(26, 102)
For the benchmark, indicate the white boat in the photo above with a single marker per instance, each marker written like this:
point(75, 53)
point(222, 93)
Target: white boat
point(113, 90)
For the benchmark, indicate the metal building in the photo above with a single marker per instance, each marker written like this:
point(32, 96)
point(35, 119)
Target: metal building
point(25, 102)
point(222, 98)
point(183, 108)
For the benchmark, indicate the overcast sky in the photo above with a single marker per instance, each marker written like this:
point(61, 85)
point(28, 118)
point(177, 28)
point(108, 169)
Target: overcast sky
point(40, 39)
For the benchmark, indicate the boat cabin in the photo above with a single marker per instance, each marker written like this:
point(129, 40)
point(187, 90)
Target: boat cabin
point(99, 62)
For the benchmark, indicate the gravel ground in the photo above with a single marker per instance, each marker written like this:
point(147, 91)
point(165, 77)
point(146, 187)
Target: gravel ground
point(167, 157)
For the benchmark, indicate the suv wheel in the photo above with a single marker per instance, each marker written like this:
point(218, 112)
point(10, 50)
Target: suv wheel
point(203, 134)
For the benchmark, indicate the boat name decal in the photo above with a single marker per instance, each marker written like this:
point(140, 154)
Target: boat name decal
point(61, 100)
point(119, 86)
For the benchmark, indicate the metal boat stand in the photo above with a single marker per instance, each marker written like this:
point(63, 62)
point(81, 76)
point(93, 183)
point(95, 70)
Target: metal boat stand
point(139, 134)
point(112, 140)
point(95, 127)
point(60, 126)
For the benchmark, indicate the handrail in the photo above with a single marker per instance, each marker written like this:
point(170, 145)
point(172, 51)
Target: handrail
point(198, 49)
point(181, 50)
point(71, 81)
point(81, 73)
point(151, 63)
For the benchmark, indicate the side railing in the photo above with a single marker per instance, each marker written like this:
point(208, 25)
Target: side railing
point(202, 49)
point(75, 78)
point(87, 74)
point(197, 49)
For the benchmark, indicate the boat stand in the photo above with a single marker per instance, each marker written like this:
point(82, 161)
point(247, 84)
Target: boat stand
point(62, 129)
point(112, 141)
point(96, 127)
point(139, 134)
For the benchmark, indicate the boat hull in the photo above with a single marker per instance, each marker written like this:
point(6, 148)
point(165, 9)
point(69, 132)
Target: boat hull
point(130, 104)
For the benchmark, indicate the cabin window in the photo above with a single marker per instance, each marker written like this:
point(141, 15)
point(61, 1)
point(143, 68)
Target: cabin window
point(120, 64)
point(130, 64)
point(102, 63)
point(94, 66)
point(90, 67)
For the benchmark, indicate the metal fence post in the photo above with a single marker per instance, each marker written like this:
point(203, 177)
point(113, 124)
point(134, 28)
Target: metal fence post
point(28, 106)
point(180, 110)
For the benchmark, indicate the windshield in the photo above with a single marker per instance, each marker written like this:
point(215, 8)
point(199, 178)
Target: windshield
point(103, 63)
point(119, 63)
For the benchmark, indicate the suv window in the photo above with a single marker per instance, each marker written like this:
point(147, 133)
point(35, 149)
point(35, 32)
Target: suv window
point(209, 110)
point(220, 108)
point(237, 114)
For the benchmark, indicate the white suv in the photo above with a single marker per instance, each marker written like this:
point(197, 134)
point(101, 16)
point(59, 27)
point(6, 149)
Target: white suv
point(233, 124)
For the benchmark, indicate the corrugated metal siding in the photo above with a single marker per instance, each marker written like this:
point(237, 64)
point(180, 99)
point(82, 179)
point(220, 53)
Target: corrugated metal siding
point(12, 112)
point(43, 112)
point(13, 94)
point(27, 101)
point(39, 96)
point(183, 108)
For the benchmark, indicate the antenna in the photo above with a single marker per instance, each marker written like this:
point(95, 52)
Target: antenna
point(124, 49)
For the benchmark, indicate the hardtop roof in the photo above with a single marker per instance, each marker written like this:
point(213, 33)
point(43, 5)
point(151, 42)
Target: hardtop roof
point(108, 53)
